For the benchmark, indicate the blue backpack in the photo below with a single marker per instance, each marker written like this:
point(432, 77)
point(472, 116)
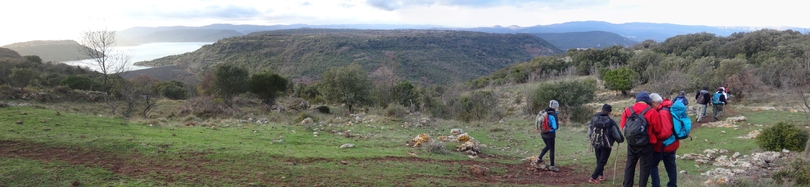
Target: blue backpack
point(716, 98)
point(681, 124)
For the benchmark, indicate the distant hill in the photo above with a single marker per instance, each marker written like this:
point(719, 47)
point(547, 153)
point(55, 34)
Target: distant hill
point(635, 31)
point(592, 39)
point(50, 50)
point(8, 53)
point(141, 35)
point(425, 56)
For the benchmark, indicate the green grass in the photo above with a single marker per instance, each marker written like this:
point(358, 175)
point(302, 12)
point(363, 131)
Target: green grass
point(233, 155)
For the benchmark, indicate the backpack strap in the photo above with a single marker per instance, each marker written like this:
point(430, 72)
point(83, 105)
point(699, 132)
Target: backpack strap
point(645, 110)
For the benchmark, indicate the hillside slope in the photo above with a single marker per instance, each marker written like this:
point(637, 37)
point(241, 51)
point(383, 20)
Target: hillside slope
point(425, 56)
point(50, 50)
point(591, 39)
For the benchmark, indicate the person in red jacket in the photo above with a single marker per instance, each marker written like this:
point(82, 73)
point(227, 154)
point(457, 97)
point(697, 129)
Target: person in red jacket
point(642, 154)
point(665, 153)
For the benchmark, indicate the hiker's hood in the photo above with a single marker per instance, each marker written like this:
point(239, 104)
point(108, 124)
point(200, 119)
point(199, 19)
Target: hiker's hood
point(601, 114)
point(677, 108)
point(665, 103)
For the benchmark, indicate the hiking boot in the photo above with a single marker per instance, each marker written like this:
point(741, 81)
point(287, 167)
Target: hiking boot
point(553, 168)
point(593, 181)
point(600, 178)
point(539, 161)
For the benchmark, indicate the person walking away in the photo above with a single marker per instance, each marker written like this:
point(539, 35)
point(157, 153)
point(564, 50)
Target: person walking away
point(548, 137)
point(603, 132)
point(718, 102)
point(664, 150)
point(637, 119)
point(682, 98)
point(703, 98)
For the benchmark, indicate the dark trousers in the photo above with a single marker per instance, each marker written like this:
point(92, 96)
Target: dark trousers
point(717, 109)
point(602, 155)
point(549, 148)
point(669, 166)
point(642, 155)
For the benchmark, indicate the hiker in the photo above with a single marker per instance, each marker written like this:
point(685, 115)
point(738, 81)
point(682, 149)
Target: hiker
point(602, 131)
point(664, 150)
point(703, 98)
point(548, 137)
point(635, 119)
point(682, 98)
point(718, 102)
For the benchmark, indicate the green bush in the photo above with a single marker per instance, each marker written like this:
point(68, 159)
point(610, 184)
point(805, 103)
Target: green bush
point(797, 173)
point(477, 105)
point(782, 136)
point(323, 109)
point(436, 147)
point(570, 94)
point(622, 79)
point(396, 110)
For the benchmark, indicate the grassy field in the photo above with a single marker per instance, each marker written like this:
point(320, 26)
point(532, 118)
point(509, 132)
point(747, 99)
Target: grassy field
point(57, 150)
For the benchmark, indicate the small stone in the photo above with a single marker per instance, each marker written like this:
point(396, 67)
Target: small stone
point(682, 172)
point(344, 162)
point(19, 122)
point(46, 129)
point(348, 145)
point(723, 132)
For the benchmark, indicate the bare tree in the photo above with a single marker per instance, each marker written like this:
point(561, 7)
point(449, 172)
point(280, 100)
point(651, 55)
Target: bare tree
point(99, 46)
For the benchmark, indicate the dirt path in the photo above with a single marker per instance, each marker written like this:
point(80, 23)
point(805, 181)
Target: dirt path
point(193, 167)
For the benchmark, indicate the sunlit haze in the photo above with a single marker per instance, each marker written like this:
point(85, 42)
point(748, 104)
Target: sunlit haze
point(55, 20)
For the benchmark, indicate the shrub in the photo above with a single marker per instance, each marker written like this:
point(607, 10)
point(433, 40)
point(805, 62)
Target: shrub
point(436, 147)
point(477, 105)
point(570, 95)
point(323, 109)
point(81, 83)
point(396, 110)
point(206, 107)
point(782, 136)
point(797, 173)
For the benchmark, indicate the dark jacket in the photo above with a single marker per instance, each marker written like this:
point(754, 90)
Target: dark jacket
point(707, 97)
point(603, 120)
point(682, 98)
point(553, 122)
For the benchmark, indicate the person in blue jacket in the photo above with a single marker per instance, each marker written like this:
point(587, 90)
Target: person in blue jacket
point(548, 137)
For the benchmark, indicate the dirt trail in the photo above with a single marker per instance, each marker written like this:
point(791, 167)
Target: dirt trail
point(193, 167)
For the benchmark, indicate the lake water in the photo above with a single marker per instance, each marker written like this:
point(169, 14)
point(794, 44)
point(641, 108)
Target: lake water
point(145, 52)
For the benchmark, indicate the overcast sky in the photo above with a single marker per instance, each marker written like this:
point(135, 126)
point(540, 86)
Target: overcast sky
point(26, 20)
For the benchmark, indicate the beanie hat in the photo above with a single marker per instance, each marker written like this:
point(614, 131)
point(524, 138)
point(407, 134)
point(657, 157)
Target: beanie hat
point(643, 96)
point(554, 104)
point(607, 108)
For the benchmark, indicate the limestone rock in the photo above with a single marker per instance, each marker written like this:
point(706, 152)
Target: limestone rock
point(348, 145)
point(456, 131)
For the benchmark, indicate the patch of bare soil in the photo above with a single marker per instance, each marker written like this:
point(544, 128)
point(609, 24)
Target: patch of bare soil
point(521, 173)
point(190, 166)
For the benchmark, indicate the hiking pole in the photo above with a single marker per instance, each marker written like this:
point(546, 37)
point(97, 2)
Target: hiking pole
point(615, 159)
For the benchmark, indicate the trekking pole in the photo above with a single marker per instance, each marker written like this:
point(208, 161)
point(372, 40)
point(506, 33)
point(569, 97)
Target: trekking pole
point(615, 159)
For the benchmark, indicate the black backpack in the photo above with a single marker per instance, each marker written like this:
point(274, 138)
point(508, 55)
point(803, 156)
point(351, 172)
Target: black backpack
point(635, 128)
point(601, 128)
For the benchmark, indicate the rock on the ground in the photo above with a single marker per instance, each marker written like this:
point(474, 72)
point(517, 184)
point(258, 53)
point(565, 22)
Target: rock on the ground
point(348, 145)
point(736, 119)
point(456, 131)
point(420, 139)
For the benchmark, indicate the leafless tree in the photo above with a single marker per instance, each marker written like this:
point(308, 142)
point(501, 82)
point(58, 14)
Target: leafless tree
point(99, 45)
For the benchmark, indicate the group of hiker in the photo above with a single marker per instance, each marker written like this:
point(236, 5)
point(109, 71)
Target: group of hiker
point(652, 129)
